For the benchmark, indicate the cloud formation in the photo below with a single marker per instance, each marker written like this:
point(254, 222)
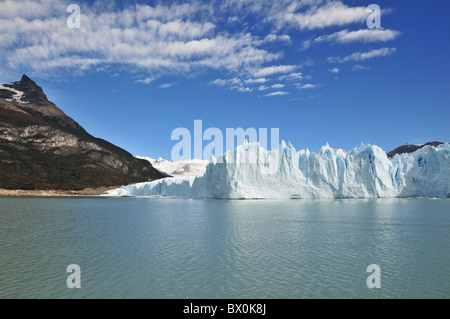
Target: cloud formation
point(318, 15)
point(308, 86)
point(179, 39)
point(362, 35)
point(277, 93)
point(362, 56)
point(358, 67)
point(166, 85)
point(159, 40)
point(334, 70)
point(276, 69)
point(145, 81)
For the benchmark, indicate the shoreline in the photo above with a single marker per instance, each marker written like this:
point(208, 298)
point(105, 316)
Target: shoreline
point(56, 192)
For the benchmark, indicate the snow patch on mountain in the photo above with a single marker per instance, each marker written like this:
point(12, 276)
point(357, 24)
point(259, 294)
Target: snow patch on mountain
point(17, 95)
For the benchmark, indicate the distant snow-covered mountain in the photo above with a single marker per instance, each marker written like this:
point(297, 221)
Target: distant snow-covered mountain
point(190, 167)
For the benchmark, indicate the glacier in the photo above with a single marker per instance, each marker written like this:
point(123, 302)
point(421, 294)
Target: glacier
point(252, 172)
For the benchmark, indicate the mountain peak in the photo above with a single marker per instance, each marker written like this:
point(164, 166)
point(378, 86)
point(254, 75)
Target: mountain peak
point(24, 91)
point(32, 91)
point(41, 147)
point(31, 99)
point(26, 79)
point(28, 84)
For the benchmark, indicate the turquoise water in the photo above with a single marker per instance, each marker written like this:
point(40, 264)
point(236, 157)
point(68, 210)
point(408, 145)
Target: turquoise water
point(176, 248)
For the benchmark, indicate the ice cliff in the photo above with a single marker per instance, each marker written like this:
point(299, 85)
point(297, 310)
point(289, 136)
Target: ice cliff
point(250, 171)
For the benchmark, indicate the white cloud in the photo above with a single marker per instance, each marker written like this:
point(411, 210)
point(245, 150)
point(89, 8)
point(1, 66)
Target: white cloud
point(306, 44)
point(318, 17)
point(233, 19)
point(334, 70)
point(234, 84)
point(291, 76)
point(277, 38)
point(361, 56)
point(271, 70)
point(358, 67)
point(363, 35)
point(308, 86)
point(146, 80)
point(235, 81)
point(243, 89)
point(219, 82)
point(263, 88)
point(28, 9)
point(277, 86)
point(166, 85)
point(258, 80)
point(277, 93)
point(170, 12)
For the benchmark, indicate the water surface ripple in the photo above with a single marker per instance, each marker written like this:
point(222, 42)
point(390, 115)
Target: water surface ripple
point(177, 248)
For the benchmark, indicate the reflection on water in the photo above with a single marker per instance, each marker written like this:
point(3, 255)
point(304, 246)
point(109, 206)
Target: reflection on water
point(174, 248)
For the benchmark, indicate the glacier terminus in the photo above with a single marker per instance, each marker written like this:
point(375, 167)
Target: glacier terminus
point(252, 172)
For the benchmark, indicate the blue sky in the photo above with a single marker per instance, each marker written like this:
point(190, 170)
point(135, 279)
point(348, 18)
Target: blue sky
point(136, 70)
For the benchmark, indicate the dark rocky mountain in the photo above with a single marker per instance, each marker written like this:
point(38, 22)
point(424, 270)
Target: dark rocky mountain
point(410, 148)
point(43, 148)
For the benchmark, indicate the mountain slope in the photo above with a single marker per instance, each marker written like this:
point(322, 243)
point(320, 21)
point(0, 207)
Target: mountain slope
point(43, 148)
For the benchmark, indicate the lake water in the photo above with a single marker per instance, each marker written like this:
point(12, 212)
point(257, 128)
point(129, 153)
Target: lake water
point(177, 248)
